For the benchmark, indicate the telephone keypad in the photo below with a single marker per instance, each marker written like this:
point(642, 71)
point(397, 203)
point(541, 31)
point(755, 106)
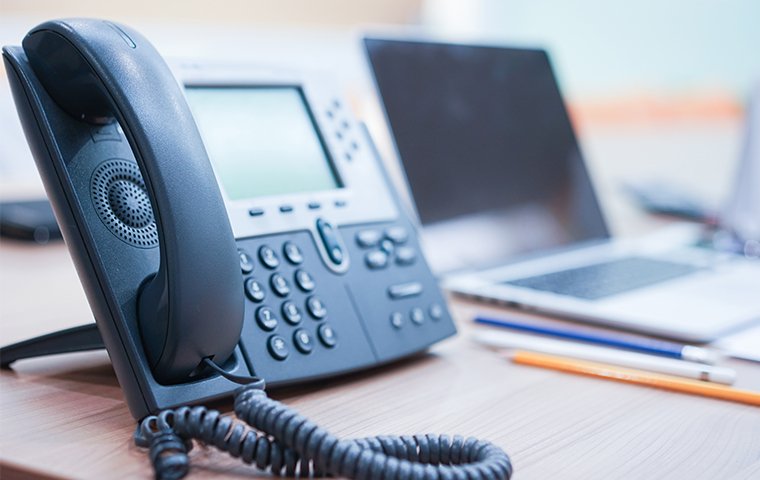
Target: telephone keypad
point(316, 308)
point(268, 257)
point(290, 335)
point(254, 290)
point(304, 280)
point(291, 312)
point(266, 319)
point(280, 285)
point(246, 262)
point(292, 253)
point(278, 347)
point(303, 341)
point(382, 307)
point(327, 335)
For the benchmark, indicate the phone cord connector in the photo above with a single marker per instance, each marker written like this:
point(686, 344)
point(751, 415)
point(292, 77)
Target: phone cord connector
point(291, 445)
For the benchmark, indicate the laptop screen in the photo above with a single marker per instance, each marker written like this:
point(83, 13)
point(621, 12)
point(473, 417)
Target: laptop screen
point(487, 146)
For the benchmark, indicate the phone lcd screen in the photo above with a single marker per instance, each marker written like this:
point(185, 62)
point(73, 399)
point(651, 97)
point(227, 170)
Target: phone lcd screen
point(262, 141)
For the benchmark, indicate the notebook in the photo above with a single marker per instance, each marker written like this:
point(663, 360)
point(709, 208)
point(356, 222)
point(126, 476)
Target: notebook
point(509, 210)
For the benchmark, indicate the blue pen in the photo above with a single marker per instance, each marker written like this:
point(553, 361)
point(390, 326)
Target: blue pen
point(656, 347)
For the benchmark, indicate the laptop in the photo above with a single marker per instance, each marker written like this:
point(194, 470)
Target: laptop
point(508, 208)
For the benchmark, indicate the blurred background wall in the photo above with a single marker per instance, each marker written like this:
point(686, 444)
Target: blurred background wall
point(601, 49)
point(636, 63)
point(606, 49)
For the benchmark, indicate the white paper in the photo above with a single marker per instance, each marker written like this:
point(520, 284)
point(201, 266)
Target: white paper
point(744, 344)
point(742, 212)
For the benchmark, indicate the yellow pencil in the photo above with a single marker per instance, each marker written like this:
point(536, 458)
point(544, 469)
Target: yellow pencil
point(639, 377)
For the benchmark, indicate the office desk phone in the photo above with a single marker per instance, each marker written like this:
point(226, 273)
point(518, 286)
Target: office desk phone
point(229, 225)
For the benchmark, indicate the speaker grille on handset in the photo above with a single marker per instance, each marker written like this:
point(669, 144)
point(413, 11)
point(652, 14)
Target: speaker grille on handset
point(122, 202)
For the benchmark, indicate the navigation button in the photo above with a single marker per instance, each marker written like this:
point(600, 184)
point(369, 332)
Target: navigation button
point(368, 238)
point(376, 259)
point(387, 246)
point(397, 234)
point(405, 255)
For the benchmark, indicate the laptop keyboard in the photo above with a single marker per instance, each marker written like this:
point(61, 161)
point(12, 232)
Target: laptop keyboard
point(600, 280)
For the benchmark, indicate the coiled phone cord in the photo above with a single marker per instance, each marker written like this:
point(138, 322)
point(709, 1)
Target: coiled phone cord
point(292, 445)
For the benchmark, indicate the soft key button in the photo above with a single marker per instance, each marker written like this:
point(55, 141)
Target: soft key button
point(436, 311)
point(397, 320)
point(417, 316)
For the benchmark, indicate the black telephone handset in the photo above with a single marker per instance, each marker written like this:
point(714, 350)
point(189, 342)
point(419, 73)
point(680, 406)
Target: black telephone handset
point(99, 72)
point(160, 249)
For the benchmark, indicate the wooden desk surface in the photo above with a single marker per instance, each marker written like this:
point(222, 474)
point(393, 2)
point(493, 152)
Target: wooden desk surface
point(64, 416)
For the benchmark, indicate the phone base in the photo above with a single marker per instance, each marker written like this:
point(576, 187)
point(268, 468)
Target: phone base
point(75, 339)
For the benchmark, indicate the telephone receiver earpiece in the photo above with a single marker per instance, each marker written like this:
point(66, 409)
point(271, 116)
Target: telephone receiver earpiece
point(98, 72)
